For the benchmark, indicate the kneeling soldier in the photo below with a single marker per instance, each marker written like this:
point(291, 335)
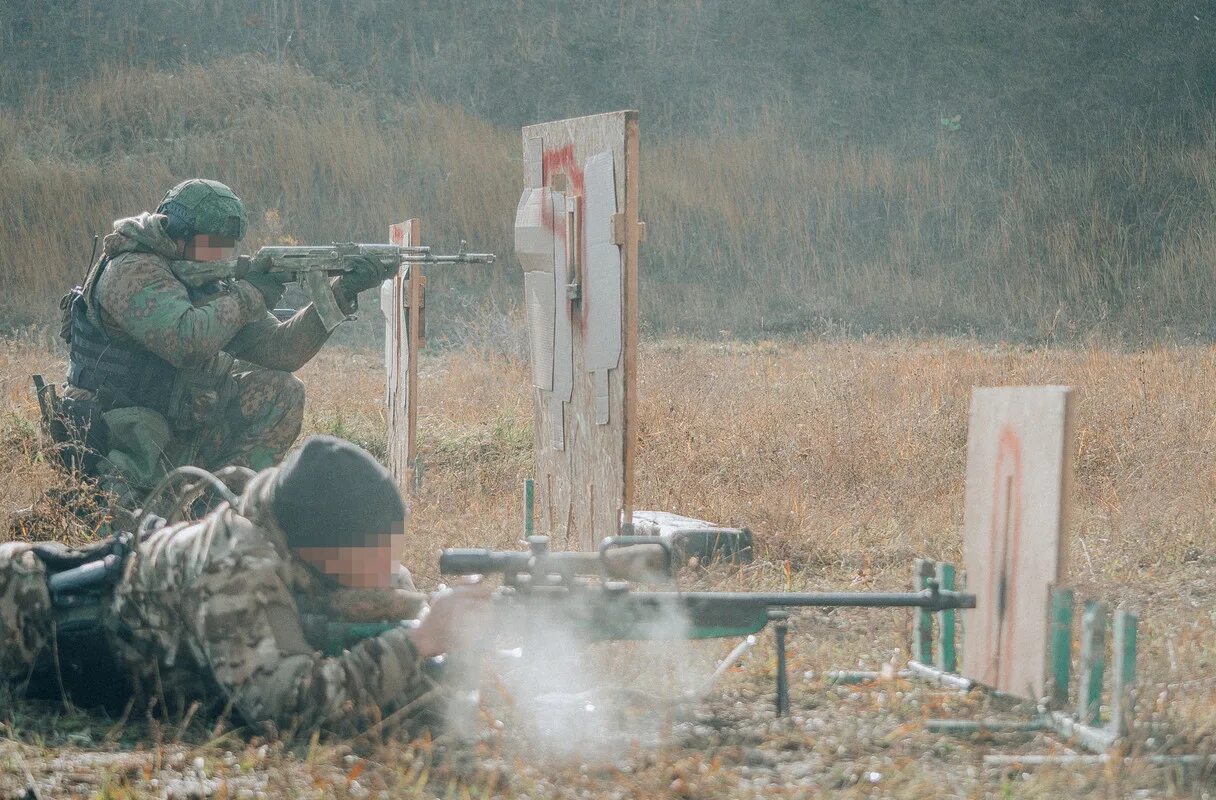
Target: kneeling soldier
point(161, 374)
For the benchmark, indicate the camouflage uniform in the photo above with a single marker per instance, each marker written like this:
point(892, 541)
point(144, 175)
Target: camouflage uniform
point(133, 297)
point(209, 611)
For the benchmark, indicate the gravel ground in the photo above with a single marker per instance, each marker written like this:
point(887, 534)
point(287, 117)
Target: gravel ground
point(615, 742)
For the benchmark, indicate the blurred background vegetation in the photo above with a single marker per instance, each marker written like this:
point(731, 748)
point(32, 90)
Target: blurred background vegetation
point(1019, 169)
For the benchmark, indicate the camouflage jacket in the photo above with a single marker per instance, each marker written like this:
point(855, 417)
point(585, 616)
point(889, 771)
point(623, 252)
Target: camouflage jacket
point(136, 297)
point(208, 611)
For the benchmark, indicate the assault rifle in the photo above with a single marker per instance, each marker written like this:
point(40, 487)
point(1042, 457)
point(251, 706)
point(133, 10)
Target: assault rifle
point(313, 265)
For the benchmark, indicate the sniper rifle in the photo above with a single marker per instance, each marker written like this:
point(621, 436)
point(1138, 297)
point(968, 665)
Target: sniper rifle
point(586, 600)
point(588, 592)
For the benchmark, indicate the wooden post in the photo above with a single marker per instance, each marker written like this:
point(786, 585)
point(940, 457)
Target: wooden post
point(1093, 664)
point(947, 657)
point(416, 292)
point(1060, 643)
point(1123, 678)
point(922, 634)
point(629, 343)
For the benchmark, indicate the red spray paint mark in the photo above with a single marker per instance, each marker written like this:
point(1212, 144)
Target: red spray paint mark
point(1005, 543)
point(561, 161)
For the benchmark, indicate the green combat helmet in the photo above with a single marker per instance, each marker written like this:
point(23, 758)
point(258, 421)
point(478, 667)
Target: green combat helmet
point(202, 206)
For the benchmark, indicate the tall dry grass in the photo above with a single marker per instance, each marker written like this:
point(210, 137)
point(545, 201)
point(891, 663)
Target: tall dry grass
point(839, 454)
point(752, 232)
point(835, 453)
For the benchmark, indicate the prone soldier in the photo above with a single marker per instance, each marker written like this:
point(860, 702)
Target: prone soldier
point(212, 611)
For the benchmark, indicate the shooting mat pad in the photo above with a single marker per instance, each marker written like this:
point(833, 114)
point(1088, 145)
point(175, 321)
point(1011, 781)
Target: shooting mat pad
point(1019, 473)
point(580, 205)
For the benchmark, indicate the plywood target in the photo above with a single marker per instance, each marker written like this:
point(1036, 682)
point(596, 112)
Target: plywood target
point(576, 236)
point(1019, 473)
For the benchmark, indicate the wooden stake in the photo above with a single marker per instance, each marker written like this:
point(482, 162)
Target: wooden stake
point(922, 634)
point(529, 503)
point(1093, 663)
point(1060, 643)
point(1123, 678)
point(947, 656)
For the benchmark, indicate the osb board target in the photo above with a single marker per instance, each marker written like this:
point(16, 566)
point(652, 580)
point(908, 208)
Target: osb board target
point(1019, 475)
point(583, 410)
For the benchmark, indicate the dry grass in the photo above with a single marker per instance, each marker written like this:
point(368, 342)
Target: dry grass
point(837, 452)
point(846, 458)
point(751, 231)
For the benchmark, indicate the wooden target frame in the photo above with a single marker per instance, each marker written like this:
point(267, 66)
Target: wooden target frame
point(402, 301)
point(577, 237)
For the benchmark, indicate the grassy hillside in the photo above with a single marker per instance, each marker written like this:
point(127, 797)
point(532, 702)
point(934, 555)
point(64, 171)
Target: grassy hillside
point(1077, 73)
point(1015, 169)
point(751, 231)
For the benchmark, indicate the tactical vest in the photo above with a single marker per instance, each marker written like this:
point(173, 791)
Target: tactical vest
point(118, 373)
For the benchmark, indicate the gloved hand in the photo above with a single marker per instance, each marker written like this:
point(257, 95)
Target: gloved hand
point(457, 618)
point(253, 304)
point(365, 273)
point(270, 289)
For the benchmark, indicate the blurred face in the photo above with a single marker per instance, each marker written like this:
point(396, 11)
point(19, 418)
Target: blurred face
point(368, 567)
point(209, 247)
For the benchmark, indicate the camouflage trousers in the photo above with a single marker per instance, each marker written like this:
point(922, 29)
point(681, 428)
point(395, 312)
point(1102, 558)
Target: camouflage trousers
point(26, 618)
point(258, 426)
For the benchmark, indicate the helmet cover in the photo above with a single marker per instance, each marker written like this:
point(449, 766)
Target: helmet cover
point(198, 205)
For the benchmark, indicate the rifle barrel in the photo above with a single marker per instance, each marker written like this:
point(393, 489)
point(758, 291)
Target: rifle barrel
point(927, 598)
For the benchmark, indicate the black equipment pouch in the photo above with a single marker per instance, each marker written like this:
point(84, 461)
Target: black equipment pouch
point(65, 312)
point(80, 435)
point(82, 665)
